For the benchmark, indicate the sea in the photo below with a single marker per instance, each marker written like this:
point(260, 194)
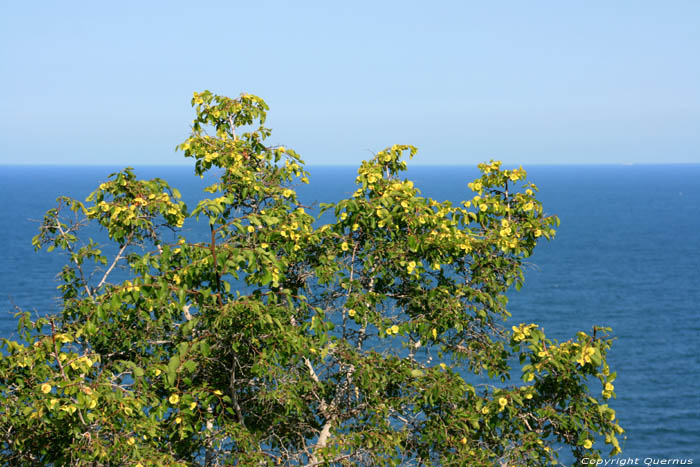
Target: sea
point(627, 256)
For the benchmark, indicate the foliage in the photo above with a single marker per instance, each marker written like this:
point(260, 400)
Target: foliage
point(374, 339)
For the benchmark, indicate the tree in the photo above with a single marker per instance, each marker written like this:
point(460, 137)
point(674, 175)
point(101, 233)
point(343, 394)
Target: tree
point(375, 339)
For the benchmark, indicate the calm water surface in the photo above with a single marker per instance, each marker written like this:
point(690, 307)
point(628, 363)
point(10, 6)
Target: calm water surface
point(627, 255)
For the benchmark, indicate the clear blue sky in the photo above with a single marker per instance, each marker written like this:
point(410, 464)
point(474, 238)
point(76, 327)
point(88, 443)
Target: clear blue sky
point(465, 81)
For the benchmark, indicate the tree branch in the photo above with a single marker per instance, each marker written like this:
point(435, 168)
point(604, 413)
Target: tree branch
point(111, 266)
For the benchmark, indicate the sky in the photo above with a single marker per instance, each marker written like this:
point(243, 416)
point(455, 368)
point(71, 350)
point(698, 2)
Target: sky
point(542, 82)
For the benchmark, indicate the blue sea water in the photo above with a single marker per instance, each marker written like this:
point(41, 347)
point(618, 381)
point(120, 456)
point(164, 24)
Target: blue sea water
point(627, 255)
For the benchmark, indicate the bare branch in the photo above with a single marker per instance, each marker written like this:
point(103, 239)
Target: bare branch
point(111, 266)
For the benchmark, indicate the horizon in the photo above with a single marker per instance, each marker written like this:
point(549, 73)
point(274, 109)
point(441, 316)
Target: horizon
point(349, 165)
